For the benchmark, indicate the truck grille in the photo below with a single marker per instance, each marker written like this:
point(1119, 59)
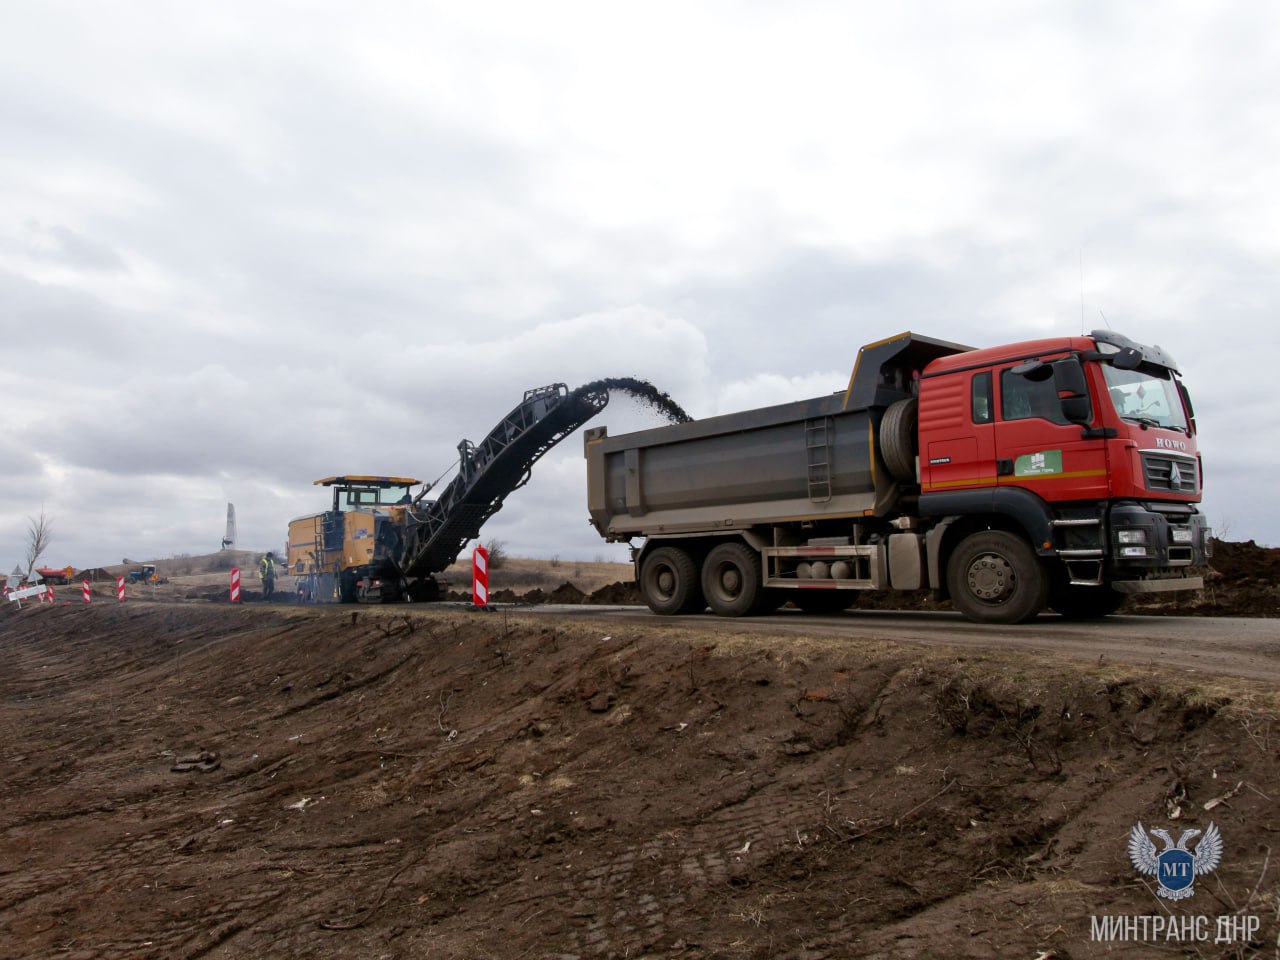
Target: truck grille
point(1169, 473)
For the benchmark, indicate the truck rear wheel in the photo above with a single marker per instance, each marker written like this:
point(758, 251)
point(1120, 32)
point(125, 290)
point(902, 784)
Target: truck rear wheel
point(669, 582)
point(995, 577)
point(732, 581)
point(898, 439)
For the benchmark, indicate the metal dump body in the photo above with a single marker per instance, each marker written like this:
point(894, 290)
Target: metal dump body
point(791, 462)
point(810, 460)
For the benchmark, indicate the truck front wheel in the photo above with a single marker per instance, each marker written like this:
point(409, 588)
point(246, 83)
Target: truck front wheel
point(732, 581)
point(995, 577)
point(669, 582)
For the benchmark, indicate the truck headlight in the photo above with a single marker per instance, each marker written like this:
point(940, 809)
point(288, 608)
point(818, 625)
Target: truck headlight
point(1181, 534)
point(1133, 551)
point(1133, 535)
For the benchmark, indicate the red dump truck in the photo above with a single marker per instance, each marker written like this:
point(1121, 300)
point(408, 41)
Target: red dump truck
point(1058, 473)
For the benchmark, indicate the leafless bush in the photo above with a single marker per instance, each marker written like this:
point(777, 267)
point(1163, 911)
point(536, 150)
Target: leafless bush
point(39, 535)
point(497, 554)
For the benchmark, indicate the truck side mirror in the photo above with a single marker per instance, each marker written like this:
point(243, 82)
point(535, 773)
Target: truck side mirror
point(1068, 377)
point(1073, 390)
point(1186, 403)
point(1034, 370)
point(1077, 409)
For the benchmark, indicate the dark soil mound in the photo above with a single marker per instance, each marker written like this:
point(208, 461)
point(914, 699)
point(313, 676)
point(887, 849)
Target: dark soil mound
point(566, 593)
point(1243, 580)
point(617, 594)
point(96, 575)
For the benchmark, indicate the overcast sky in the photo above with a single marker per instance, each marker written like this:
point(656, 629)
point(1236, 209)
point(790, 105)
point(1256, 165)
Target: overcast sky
point(247, 245)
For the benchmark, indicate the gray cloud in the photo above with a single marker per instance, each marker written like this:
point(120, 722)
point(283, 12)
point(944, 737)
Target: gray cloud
point(240, 252)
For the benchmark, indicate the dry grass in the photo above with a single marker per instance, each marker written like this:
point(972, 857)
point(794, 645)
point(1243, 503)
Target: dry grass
point(522, 574)
point(519, 574)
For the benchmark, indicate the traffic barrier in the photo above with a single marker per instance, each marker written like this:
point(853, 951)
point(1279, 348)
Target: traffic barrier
point(235, 584)
point(480, 577)
point(18, 594)
point(47, 596)
point(119, 588)
point(84, 591)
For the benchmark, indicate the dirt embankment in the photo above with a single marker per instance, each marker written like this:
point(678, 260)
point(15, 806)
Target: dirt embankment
point(211, 781)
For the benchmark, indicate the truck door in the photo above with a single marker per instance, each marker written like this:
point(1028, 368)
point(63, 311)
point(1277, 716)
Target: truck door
point(1038, 448)
point(957, 432)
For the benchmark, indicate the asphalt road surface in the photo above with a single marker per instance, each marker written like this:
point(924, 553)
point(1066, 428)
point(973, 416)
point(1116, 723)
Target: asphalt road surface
point(1225, 646)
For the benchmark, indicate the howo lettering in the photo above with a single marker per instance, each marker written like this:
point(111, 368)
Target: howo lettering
point(1058, 472)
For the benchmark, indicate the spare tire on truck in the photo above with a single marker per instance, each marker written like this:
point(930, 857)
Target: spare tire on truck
point(898, 439)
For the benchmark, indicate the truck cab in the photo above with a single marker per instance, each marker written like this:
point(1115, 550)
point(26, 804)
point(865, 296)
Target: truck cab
point(1087, 443)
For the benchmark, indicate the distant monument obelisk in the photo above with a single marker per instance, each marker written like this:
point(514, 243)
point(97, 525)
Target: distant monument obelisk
point(229, 540)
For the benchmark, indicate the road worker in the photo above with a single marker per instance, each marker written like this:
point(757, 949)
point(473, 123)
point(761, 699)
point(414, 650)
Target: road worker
point(268, 573)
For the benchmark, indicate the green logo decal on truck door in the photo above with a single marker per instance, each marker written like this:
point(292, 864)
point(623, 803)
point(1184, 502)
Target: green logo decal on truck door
point(1042, 464)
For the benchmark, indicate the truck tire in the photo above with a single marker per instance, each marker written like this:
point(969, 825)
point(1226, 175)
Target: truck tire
point(898, 439)
point(995, 577)
point(1085, 603)
point(732, 580)
point(823, 601)
point(669, 582)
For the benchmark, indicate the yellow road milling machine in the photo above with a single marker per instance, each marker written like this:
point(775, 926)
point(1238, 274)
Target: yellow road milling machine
point(382, 539)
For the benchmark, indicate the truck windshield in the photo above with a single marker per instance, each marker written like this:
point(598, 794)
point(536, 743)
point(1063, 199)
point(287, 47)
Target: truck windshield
point(1143, 397)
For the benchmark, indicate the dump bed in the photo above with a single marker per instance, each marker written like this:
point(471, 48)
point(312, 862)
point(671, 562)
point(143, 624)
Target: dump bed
point(808, 460)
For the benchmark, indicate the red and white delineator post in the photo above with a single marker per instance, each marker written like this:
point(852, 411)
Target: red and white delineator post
point(84, 590)
point(480, 576)
point(235, 584)
point(47, 596)
point(119, 588)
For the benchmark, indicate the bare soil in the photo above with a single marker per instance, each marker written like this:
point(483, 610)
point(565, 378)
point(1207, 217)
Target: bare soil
point(188, 779)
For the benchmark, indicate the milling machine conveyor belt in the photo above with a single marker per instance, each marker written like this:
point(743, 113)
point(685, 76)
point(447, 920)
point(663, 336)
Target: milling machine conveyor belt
point(492, 469)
